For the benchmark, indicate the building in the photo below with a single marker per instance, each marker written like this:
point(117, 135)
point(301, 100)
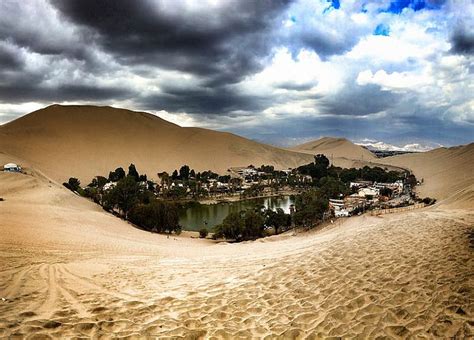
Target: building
point(360, 184)
point(109, 185)
point(339, 208)
point(368, 192)
point(397, 187)
point(341, 213)
point(12, 167)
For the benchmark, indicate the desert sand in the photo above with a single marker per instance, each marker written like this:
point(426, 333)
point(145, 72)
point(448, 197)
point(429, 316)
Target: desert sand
point(70, 269)
point(343, 153)
point(446, 171)
point(335, 148)
point(86, 141)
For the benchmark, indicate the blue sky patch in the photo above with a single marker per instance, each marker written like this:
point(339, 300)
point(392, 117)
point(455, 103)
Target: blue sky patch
point(397, 6)
point(335, 4)
point(382, 29)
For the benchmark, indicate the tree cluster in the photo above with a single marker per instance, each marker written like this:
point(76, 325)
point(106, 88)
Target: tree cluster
point(252, 224)
point(156, 216)
point(310, 208)
point(132, 197)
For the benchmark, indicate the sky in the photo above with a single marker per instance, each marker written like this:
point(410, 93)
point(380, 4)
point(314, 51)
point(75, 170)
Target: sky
point(282, 72)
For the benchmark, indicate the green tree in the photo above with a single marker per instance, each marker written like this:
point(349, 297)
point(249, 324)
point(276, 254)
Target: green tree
point(98, 182)
point(74, 184)
point(184, 172)
point(157, 216)
point(124, 195)
point(253, 225)
point(117, 175)
point(133, 173)
point(331, 187)
point(232, 227)
point(277, 219)
point(310, 208)
point(174, 175)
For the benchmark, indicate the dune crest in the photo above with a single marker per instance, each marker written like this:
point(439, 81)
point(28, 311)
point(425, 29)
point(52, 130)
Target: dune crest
point(85, 141)
point(336, 148)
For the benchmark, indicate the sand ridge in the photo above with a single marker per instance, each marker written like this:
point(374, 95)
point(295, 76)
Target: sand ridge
point(335, 148)
point(86, 141)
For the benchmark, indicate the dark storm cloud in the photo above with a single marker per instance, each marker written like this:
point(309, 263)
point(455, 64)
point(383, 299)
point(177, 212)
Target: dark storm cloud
point(462, 41)
point(358, 100)
point(416, 128)
point(36, 27)
point(222, 45)
point(203, 101)
point(23, 92)
point(326, 46)
point(9, 60)
point(295, 87)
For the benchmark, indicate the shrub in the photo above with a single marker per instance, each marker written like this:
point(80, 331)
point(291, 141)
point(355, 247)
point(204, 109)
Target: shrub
point(203, 233)
point(429, 200)
point(157, 216)
point(241, 226)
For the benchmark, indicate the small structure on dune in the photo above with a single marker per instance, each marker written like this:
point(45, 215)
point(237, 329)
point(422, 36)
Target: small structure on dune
point(12, 167)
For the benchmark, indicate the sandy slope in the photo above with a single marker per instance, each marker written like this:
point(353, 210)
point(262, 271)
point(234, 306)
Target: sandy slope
point(85, 141)
point(70, 269)
point(335, 148)
point(445, 172)
point(343, 153)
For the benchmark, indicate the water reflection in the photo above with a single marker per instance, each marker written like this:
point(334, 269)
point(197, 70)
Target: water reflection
point(207, 216)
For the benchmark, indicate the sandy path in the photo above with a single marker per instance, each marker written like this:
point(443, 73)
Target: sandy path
point(397, 276)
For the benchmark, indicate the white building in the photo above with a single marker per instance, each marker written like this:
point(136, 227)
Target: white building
point(11, 167)
point(341, 213)
point(109, 185)
point(364, 192)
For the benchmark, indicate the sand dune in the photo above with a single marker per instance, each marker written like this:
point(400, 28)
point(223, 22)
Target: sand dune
point(334, 148)
point(445, 172)
point(71, 270)
point(85, 141)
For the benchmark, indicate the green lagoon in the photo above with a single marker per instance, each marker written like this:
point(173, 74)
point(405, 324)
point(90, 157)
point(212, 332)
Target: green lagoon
point(195, 217)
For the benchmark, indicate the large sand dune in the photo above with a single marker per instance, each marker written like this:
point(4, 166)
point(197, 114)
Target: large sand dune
point(343, 153)
point(334, 148)
point(70, 269)
point(445, 172)
point(85, 141)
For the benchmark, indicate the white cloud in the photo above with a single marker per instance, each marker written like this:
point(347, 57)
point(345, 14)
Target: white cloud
point(394, 81)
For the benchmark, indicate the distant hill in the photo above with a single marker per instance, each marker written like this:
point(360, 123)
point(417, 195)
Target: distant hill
point(85, 141)
point(336, 148)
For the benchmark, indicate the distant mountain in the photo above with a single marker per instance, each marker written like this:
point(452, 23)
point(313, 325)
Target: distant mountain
point(336, 148)
point(374, 145)
point(85, 141)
